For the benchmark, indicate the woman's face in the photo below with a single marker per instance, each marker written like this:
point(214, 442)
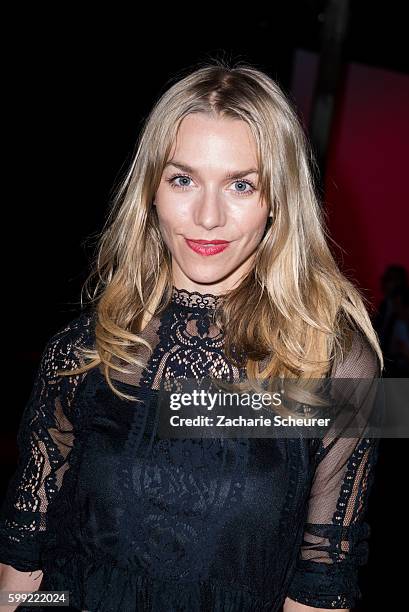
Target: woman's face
point(209, 191)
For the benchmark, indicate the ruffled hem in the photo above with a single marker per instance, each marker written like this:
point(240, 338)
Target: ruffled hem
point(108, 587)
point(325, 585)
point(23, 553)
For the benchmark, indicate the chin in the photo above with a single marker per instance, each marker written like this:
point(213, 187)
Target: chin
point(206, 277)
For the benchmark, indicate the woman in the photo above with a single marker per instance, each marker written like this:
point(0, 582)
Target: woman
point(214, 263)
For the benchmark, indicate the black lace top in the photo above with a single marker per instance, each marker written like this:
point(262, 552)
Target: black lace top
point(125, 520)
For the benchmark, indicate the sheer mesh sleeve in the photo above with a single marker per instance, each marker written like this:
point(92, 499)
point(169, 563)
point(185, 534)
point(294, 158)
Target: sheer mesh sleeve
point(45, 439)
point(335, 540)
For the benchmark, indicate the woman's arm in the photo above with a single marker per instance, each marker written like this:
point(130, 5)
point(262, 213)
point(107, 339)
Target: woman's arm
point(45, 439)
point(293, 606)
point(14, 580)
point(335, 539)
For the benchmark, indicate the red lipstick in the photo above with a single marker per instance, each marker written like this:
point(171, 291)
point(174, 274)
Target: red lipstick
point(207, 247)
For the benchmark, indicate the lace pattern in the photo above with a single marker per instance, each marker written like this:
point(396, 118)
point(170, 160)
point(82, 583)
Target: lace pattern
point(45, 439)
point(194, 299)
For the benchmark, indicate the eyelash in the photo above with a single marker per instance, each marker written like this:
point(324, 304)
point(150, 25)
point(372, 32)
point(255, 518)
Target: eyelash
point(174, 186)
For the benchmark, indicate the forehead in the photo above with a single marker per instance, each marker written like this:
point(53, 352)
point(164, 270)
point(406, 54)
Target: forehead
point(204, 140)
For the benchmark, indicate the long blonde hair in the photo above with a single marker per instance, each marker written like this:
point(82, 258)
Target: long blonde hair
point(294, 306)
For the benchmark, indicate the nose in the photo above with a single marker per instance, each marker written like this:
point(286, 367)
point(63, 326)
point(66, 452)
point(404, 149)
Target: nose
point(210, 212)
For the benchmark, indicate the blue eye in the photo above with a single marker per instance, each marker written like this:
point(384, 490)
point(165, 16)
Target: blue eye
point(246, 183)
point(177, 177)
point(174, 185)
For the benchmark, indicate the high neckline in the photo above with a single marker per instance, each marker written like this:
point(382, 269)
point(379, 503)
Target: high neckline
point(194, 299)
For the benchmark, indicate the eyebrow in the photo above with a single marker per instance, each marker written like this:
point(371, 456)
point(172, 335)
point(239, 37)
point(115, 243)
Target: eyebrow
point(229, 175)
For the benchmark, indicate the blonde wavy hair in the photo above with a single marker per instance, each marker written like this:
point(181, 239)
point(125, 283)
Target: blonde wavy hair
point(294, 306)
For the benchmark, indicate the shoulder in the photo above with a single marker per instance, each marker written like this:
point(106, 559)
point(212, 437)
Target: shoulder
point(63, 348)
point(359, 359)
point(62, 351)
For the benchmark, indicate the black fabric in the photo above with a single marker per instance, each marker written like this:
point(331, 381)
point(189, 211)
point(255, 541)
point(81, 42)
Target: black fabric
point(124, 520)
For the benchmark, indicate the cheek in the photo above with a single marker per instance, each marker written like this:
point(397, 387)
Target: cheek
point(252, 223)
point(171, 214)
point(172, 221)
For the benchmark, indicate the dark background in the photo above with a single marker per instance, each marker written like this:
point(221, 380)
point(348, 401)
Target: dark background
point(79, 85)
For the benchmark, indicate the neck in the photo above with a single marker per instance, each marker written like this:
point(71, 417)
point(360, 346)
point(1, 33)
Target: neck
point(195, 298)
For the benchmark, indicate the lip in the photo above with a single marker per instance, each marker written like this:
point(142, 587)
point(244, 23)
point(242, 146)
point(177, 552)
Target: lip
point(202, 246)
